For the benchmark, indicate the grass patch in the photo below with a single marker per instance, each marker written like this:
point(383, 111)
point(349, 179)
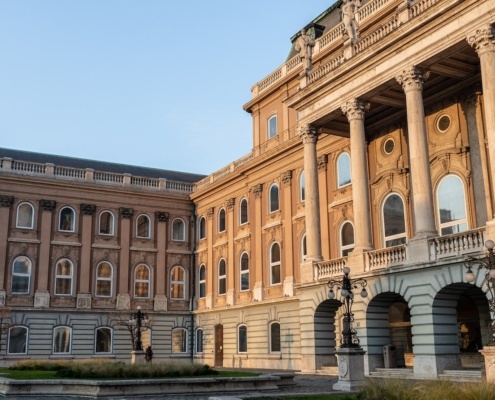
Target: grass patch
point(313, 397)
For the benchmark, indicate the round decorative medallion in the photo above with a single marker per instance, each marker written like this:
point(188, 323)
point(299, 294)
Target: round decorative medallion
point(443, 123)
point(389, 146)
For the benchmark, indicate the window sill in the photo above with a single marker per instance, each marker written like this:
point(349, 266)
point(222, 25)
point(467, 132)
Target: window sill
point(103, 355)
point(61, 356)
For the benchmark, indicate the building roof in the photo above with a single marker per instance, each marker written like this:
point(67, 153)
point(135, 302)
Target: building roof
point(103, 166)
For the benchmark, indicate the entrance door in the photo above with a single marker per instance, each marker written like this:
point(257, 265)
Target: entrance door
point(218, 345)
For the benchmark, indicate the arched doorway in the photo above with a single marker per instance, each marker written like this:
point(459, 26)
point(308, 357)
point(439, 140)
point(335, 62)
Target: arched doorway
point(325, 337)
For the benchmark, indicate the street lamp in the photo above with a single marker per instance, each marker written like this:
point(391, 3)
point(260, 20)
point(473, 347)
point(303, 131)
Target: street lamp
point(488, 263)
point(346, 285)
point(140, 321)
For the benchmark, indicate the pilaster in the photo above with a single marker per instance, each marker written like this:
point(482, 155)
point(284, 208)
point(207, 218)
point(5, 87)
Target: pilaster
point(125, 244)
point(258, 288)
point(87, 212)
point(162, 228)
point(231, 265)
point(42, 294)
point(5, 210)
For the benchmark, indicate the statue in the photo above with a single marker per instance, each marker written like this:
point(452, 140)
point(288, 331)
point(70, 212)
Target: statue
point(304, 45)
point(351, 27)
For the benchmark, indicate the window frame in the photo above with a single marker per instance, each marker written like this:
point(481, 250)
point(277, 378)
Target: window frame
point(31, 225)
point(181, 236)
point(457, 223)
point(385, 219)
point(302, 187)
point(202, 282)
point(199, 345)
point(101, 328)
point(304, 248)
point(222, 277)
point(243, 272)
point(272, 200)
point(103, 279)
point(177, 283)
point(58, 277)
point(271, 133)
point(202, 228)
point(149, 229)
point(339, 169)
point(184, 340)
point(277, 264)
point(271, 337)
point(346, 248)
point(221, 221)
point(72, 222)
point(26, 342)
point(66, 328)
point(147, 281)
point(20, 274)
point(112, 223)
point(244, 348)
point(243, 211)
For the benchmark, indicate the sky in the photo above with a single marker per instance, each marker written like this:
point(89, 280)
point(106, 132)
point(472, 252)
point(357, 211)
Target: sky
point(155, 83)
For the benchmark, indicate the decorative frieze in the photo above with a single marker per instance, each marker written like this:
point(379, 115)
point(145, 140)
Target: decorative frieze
point(6, 201)
point(482, 40)
point(126, 212)
point(287, 177)
point(48, 205)
point(87, 209)
point(413, 78)
point(355, 109)
point(161, 216)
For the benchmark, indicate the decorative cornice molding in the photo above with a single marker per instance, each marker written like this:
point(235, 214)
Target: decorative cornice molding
point(6, 201)
point(126, 213)
point(286, 177)
point(48, 205)
point(161, 216)
point(87, 209)
point(413, 78)
point(482, 40)
point(355, 109)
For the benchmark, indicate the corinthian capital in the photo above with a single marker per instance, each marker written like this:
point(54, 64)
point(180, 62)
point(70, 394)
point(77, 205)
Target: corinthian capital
point(482, 40)
point(412, 78)
point(307, 133)
point(355, 109)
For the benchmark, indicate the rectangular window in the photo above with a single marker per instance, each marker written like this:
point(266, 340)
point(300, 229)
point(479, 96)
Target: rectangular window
point(179, 341)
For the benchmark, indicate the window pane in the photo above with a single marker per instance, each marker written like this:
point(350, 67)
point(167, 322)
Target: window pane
point(66, 220)
point(178, 230)
point(199, 341)
point(272, 127)
point(179, 341)
point(275, 337)
point(202, 228)
point(142, 272)
point(143, 228)
point(275, 252)
point(221, 221)
point(393, 216)
point(106, 223)
point(222, 286)
point(104, 270)
point(276, 274)
point(451, 200)
point(103, 340)
point(221, 268)
point(302, 187)
point(61, 340)
point(17, 340)
point(142, 289)
point(274, 204)
point(21, 275)
point(242, 339)
point(347, 234)
point(25, 216)
point(244, 211)
point(344, 169)
point(103, 288)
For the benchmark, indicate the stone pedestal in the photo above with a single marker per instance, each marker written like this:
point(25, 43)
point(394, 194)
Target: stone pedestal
point(138, 357)
point(42, 299)
point(83, 301)
point(123, 302)
point(351, 369)
point(489, 355)
point(160, 303)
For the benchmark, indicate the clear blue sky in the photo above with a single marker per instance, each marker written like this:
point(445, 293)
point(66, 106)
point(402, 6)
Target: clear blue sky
point(157, 83)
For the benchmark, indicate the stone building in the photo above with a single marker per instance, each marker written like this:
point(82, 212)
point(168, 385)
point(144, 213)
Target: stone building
point(371, 149)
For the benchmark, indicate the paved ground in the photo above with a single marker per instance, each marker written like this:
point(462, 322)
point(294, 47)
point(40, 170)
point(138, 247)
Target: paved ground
point(305, 384)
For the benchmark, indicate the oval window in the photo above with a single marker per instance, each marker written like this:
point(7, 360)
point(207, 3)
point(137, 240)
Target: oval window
point(388, 146)
point(443, 123)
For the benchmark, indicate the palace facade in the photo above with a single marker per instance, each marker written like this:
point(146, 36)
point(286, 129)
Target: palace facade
point(372, 149)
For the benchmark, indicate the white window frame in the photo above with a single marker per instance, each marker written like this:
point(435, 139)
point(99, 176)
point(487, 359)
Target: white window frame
point(456, 222)
point(275, 264)
point(26, 344)
point(302, 186)
point(73, 220)
point(184, 340)
point(241, 206)
point(147, 281)
point(349, 247)
point(222, 215)
point(270, 337)
point(112, 226)
point(178, 282)
point(272, 210)
point(67, 329)
point(339, 158)
point(304, 248)
point(270, 133)
point(31, 225)
point(202, 282)
point(100, 328)
point(398, 235)
point(104, 279)
point(64, 277)
point(21, 275)
point(148, 234)
point(181, 237)
point(199, 344)
point(239, 351)
point(244, 272)
point(202, 228)
point(222, 277)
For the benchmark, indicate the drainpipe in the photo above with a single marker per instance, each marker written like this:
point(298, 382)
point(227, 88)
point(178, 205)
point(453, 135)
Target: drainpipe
point(192, 289)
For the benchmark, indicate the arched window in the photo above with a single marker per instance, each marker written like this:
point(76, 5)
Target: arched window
point(104, 279)
point(451, 206)
point(103, 340)
point(243, 211)
point(64, 275)
point(274, 201)
point(274, 337)
point(304, 250)
point(67, 220)
point(394, 225)
point(221, 220)
point(244, 271)
point(18, 340)
point(242, 339)
point(343, 170)
point(142, 281)
point(106, 223)
point(272, 126)
point(199, 340)
point(62, 340)
point(178, 230)
point(302, 186)
point(202, 281)
point(275, 263)
point(177, 283)
point(222, 277)
point(202, 228)
point(21, 275)
point(179, 340)
point(346, 238)
point(25, 216)
point(143, 226)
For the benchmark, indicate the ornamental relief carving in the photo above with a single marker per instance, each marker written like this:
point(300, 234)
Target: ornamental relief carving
point(111, 256)
point(29, 250)
point(65, 251)
point(342, 213)
point(143, 257)
point(482, 40)
point(451, 163)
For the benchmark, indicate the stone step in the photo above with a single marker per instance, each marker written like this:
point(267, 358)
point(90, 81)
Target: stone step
point(462, 375)
point(393, 373)
point(328, 370)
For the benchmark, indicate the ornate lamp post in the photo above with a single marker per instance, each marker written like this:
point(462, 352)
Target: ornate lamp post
point(488, 263)
point(350, 354)
point(346, 285)
point(140, 321)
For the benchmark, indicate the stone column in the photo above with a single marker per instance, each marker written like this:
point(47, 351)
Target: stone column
point(42, 294)
point(483, 41)
point(232, 271)
point(257, 261)
point(287, 266)
point(354, 110)
point(212, 269)
point(412, 80)
point(160, 303)
point(123, 297)
point(85, 274)
point(5, 207)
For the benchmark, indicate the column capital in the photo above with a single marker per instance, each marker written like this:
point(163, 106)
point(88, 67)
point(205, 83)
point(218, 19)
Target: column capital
point(257, 190)
point(87, 209)
point(230, 203)
point(287, 177)
point(210, 212)
point(48, 205)
point(6, 201)
point(482, 40)
point(322, 162)
point(355, 109)
point(126, 212)
point(412, 78)
point(161, 216)
point(307, 133)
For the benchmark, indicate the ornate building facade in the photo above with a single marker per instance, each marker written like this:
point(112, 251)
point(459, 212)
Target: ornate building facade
point(372, 149)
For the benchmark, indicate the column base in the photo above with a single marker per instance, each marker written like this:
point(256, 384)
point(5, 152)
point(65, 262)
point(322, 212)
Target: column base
point(429, 367)
point(307, 272)
point(138, 357)
point(258, 291)
point(230, 297)
point(83, 301)
point(42, 299)
point(489, 356)
point(123, 302)
point(351, 369)
point(160, 303)
point(289, 286)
